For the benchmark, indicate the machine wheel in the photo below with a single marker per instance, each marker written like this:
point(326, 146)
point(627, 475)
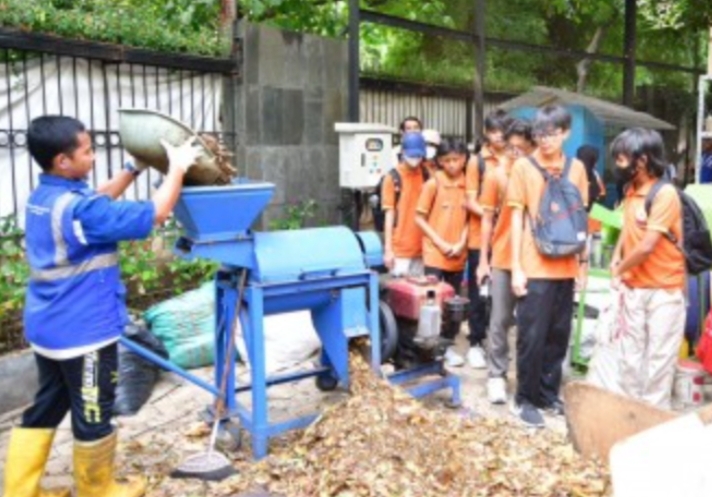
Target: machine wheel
point(326, 383)
point(389, 331)
point(229, 437)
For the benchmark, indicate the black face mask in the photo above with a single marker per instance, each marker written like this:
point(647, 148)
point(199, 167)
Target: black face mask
point(624, 176)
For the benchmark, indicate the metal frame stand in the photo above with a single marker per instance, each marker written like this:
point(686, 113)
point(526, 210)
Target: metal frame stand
point(321, 295)
point(447, 381)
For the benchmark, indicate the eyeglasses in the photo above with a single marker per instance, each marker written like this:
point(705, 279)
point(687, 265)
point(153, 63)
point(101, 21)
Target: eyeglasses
point(549, 134)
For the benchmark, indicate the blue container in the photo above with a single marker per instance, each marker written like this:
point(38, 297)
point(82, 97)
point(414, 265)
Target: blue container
point(586, 129)
point(219, 213)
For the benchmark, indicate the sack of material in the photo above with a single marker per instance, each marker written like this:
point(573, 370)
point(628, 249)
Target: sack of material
point(137, 376)
point(186, 326)
point(603, 370)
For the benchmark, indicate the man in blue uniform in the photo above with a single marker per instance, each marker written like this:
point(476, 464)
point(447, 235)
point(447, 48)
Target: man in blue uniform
point(75, 308)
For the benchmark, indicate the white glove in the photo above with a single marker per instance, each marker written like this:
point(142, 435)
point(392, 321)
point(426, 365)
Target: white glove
point(182, 156)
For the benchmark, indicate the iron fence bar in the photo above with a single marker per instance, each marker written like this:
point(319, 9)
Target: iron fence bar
point(10, 134)
point(468, 37)
point(400, 86)
point(27, 115)
point(42, 83)
point(354, 60)
point(40, 42)
point(76, 86)
point(58, 63)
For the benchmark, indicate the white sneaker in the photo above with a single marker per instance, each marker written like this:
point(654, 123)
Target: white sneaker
point(497, 390)
point(476, 357)
point(453, 359)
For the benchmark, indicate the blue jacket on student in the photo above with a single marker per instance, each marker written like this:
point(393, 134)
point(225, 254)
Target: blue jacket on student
point(75, 297)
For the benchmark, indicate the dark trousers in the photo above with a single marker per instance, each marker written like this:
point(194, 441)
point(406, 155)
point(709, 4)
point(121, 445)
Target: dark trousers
point(544, 320)
point(84, 385)
point(452, 278)
point(478, 318)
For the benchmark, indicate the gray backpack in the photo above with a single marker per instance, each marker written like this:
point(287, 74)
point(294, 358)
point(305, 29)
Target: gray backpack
point(561, 226)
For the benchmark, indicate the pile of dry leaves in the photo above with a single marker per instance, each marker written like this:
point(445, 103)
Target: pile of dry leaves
point(381, 442)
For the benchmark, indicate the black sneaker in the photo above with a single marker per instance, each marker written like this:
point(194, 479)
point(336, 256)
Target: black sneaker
point(527, 414)
point(556, 408)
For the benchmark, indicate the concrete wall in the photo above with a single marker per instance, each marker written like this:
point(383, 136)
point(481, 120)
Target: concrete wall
point(293, 90)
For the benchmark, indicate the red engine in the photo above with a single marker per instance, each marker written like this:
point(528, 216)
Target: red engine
point(407, 295)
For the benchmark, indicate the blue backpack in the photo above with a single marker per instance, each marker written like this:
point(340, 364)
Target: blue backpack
point(560, 228)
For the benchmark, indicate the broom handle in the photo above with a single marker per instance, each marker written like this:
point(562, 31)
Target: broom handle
point(220, 402)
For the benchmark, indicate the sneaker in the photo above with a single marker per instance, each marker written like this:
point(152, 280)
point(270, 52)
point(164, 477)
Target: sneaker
point(453, 359)
point(476, 357)
point(497, 391)
point(528, 415)
point(556, 408)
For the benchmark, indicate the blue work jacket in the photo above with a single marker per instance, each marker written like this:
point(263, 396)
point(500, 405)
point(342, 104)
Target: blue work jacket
point(75, 297)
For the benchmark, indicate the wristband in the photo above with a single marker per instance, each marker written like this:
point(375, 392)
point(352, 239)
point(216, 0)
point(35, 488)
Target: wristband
point(130, 167)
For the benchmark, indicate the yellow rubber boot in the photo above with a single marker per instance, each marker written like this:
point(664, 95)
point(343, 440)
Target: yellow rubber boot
point(26, 458)
point(94, 471)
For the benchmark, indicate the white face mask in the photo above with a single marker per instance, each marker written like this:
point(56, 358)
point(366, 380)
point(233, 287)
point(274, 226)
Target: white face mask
point(413, 161)
point(430, 152)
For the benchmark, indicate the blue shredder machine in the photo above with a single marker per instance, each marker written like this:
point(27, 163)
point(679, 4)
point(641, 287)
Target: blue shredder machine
point(324, 270)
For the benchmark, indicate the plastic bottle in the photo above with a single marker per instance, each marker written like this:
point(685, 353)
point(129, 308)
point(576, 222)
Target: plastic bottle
point(430, 319)
point(485, 289)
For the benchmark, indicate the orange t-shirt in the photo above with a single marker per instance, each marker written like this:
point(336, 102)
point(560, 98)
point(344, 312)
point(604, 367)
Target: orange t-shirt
point(442, 202)
point(525, 189)
point(474, 237)
point(407, 236)
point(665, 266)
point(493, 196)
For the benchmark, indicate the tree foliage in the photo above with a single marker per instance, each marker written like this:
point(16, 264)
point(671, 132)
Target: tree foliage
point(171, 26)
point(669, 31)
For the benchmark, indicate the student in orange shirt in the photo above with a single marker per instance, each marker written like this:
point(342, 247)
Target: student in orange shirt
point(442, 217)
point(649, 269)
point(544, 285)
point(496, 224)
point(494, 155)
point(403, 254)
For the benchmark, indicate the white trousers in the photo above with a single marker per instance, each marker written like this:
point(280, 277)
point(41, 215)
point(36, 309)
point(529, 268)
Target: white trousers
point(654, 325)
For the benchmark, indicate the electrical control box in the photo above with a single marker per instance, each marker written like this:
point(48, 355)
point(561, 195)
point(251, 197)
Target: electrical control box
point(365, 153)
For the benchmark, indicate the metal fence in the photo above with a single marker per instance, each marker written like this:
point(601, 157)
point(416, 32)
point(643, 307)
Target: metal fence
point(450, 110)
point(40, 74)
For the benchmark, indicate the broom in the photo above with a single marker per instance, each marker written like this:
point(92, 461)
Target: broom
point(211, 465)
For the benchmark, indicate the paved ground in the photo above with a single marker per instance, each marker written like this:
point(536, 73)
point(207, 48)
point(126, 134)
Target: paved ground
point(167, 428)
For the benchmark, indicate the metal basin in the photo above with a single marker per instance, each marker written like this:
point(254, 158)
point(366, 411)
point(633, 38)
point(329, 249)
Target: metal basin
point(141, 133)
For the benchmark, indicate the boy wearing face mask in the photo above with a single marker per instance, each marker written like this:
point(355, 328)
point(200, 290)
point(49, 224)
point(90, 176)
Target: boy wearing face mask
point(403, 239)
point(648, 269)
point(494, 155)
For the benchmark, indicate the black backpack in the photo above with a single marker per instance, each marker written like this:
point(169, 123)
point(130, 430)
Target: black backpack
point(379, 215)
point(561, 226)
point(696, 243)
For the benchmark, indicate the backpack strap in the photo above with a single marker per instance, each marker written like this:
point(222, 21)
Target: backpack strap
point(426, 173)
point(481, 171)
point(649, 198)
point(397, 185)
point(567, 167)
point(537, 166)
